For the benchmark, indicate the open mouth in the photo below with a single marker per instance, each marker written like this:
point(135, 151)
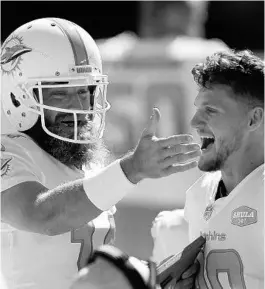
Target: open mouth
point(207, 142)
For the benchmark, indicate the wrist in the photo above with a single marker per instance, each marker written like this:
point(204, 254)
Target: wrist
point(129, 169)
point(106, 188)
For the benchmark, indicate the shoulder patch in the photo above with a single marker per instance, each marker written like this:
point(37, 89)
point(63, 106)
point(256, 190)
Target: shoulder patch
point(244, 216)
point(5, 166)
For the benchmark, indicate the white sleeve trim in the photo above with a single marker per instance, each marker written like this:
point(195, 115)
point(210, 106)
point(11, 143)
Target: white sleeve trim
point(108, 187)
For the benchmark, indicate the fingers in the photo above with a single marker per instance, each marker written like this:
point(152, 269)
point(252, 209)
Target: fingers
point(180, 168)
point(175, 140)
point(181, 158)
point(159, 157)
point(152, 124)
point(180, 149)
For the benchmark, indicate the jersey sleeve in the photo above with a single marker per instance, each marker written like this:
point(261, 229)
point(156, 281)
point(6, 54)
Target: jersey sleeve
point(17, 164)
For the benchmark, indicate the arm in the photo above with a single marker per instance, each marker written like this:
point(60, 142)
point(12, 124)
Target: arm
point(31, 206)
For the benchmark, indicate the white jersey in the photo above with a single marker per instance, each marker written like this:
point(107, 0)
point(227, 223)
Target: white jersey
point(31, 260)
point(234, 230)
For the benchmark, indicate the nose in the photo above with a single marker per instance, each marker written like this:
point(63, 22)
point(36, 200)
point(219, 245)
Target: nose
point(78, 102)
point(197, 121)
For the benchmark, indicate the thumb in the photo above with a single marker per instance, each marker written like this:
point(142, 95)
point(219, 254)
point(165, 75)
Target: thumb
point(152, 123)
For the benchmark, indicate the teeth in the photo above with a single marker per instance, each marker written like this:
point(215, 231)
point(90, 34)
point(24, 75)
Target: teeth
point(206, 141)
point(206, 138)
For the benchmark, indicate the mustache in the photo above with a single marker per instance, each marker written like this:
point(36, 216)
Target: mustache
point(59, 120)
point(86, 130)
point(66, 117)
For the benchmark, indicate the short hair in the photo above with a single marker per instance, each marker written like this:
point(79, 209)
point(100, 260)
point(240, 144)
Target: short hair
point(242, 71)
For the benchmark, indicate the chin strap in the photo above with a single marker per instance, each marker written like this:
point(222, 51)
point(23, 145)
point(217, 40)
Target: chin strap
point(122, 262)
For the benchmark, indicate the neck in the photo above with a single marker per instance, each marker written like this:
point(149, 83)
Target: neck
point(237, 168)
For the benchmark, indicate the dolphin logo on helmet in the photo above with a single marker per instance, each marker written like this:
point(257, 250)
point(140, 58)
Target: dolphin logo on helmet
point(12, 51)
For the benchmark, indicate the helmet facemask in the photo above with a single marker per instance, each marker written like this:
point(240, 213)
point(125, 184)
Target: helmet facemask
point(83, 123)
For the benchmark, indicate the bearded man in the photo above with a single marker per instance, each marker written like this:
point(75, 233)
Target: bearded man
point(54, 212)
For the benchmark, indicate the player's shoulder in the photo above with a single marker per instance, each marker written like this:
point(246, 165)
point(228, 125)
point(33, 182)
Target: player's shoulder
point(19, 144)
point(168, 220)
point(255, 181)
point(21, 149)
point(259, 173)
point(18, 140)
point(205, 185)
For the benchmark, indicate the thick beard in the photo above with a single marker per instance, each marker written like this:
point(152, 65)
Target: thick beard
point(222, 155)
point(68, 153)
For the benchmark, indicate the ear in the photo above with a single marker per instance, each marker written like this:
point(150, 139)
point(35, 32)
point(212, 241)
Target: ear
point(256, 118)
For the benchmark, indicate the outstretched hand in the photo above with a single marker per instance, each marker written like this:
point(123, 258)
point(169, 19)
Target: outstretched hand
point(160, 157)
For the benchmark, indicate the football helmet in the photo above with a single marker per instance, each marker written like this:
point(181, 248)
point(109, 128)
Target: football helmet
point(139, 275)
point(51, 53)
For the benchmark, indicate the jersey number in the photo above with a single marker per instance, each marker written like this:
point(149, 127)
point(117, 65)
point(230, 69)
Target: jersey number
point(224, 270)
point(88, 238)
point(84, 236)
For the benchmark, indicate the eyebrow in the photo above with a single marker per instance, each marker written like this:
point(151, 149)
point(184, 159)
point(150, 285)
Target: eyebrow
point(205, 103)
point(54, 90)
point(57, 89)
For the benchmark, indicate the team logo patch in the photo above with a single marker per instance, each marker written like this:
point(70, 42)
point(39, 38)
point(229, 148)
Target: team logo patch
point(244, 216)
point(5, 166)
point(11, 53)
point(208, 212)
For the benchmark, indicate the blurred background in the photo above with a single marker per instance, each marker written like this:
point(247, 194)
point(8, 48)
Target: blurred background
point(148, 50)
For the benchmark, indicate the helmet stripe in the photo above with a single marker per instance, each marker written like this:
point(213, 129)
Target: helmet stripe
point(77, 44)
